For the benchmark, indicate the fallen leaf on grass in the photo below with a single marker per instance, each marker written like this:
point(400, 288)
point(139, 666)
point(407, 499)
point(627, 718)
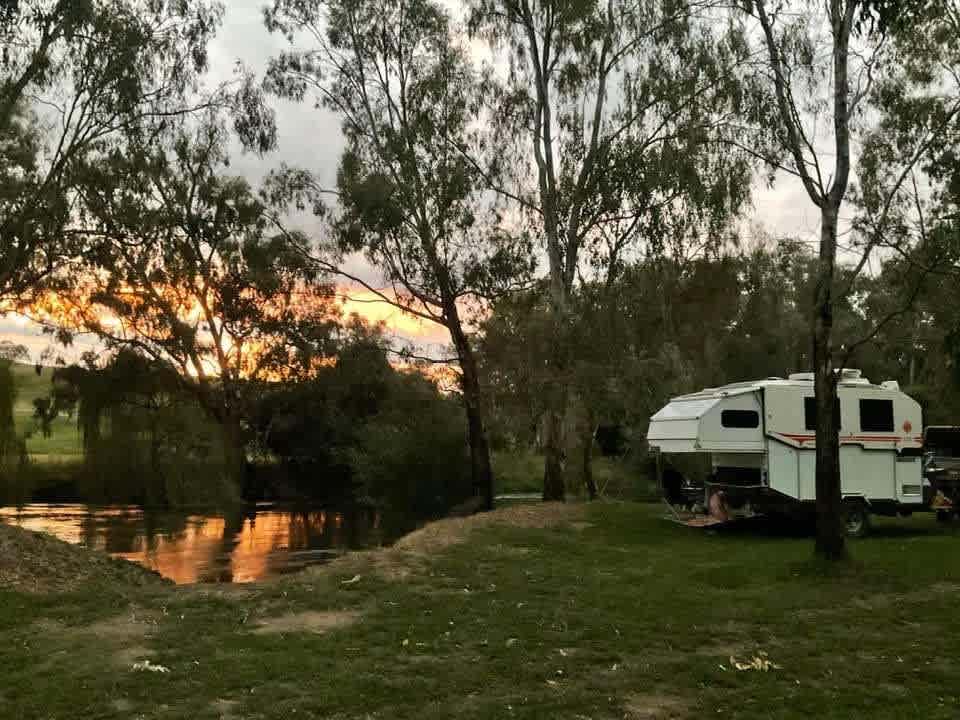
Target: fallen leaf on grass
point(147, 666)
point(760, 662)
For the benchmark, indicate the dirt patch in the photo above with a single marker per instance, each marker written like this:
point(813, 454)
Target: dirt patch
point(511, 550)
point(874, 602)
point(126, 656)
point(133, 625)
point(387, 563)
point(655, 707)
point(121, 639)
point(892, 689)
point(722, 651)
point(453, 531)
point(225, 709)
point(308, 621)
point(38, 563)
point(409, 555)
point(122, 705)
point(881, 601)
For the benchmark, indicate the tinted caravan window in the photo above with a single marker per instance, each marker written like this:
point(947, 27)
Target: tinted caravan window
point(810, 412)
point(876, 415)
point(740, 419)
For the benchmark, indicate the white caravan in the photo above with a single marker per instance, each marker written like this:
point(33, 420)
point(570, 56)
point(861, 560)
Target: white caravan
point(760, 439)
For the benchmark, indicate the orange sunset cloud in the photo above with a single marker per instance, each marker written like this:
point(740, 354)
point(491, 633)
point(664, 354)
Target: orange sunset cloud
point(373, 309)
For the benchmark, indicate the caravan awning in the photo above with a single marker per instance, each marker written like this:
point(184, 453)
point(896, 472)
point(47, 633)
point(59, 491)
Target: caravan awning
point(675, 428)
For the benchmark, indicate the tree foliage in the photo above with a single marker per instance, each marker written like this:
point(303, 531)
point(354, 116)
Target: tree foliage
point(737, 316)
point(78, 79)
point(363, 430)
point(412, 196)
point(145, 439)
point(12, 449)
point(606, 117)
point(189, 270)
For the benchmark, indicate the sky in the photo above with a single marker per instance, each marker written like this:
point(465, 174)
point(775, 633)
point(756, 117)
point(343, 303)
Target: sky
point(310, 137)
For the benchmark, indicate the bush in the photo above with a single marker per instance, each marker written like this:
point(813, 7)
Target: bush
point(13, 452)
point(167, 456)
point(413, 455)
point(361, 430)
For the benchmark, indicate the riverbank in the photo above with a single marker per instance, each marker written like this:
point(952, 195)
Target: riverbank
point(601, 611)
point(36, 562)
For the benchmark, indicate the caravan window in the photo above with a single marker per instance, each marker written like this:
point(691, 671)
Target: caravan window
point(740, 419)
point(810, 412)
point(876, 415)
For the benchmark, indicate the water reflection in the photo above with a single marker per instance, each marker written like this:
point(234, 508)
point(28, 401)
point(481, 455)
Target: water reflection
point(259, 542)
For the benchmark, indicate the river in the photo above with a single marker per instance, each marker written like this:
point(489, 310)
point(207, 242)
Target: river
point(257, 542)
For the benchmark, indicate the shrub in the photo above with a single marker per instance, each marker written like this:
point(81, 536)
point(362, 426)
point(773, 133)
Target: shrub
point(413, 455)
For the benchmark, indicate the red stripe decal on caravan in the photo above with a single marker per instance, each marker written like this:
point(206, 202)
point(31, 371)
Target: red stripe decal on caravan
point(851, 438)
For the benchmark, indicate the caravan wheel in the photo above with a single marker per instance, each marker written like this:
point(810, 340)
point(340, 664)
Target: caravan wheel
point(857, 521)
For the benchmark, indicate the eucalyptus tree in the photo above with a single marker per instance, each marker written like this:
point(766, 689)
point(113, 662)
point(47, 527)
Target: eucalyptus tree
point(909, 194)
point(78, 77)
point(189, 270)
point(412, 198)
point(12, 447)
point(827, 64)
point(916, 223)
point(607, 113)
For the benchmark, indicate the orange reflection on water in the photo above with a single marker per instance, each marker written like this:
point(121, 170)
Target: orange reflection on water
point(189, 548)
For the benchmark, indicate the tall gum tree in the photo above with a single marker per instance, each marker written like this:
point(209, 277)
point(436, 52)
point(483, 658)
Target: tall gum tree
point(828, 64)
point(189, 269)
point(909, 174)
point(76, 77)
point(608, 114)
point(411, 198)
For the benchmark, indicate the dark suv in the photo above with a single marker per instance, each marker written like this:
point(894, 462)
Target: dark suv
point(941, 469)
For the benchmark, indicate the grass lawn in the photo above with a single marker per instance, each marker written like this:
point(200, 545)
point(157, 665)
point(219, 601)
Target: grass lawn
point(64, 441)
point(608, 612)
point(521, 471)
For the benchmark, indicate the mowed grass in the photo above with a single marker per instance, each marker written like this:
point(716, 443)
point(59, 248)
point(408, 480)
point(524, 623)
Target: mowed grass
point(521, 471)
point(64, 443)
point(614, 613)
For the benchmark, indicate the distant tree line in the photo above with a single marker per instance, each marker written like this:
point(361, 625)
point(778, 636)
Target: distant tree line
point(359, 430)
point(665, 327)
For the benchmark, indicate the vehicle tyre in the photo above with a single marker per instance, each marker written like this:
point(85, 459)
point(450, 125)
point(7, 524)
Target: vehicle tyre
point(944, 516)
point(857, 521)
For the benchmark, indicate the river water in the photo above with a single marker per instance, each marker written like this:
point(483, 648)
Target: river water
point(258, 542)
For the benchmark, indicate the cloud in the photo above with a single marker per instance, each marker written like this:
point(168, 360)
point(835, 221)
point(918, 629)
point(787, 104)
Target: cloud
point(311, 137)
point(406, 327)
point(308, 137)
point(42, 346)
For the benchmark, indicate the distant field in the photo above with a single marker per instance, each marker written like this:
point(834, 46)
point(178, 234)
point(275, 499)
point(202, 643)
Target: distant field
point(64, 443)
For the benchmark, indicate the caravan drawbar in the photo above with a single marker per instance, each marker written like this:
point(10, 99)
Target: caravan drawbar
point(760, 438)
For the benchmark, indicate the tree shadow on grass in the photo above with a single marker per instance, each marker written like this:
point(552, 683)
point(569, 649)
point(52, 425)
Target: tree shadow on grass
point(908, 528)
point(764, 526)
point(887, 527)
